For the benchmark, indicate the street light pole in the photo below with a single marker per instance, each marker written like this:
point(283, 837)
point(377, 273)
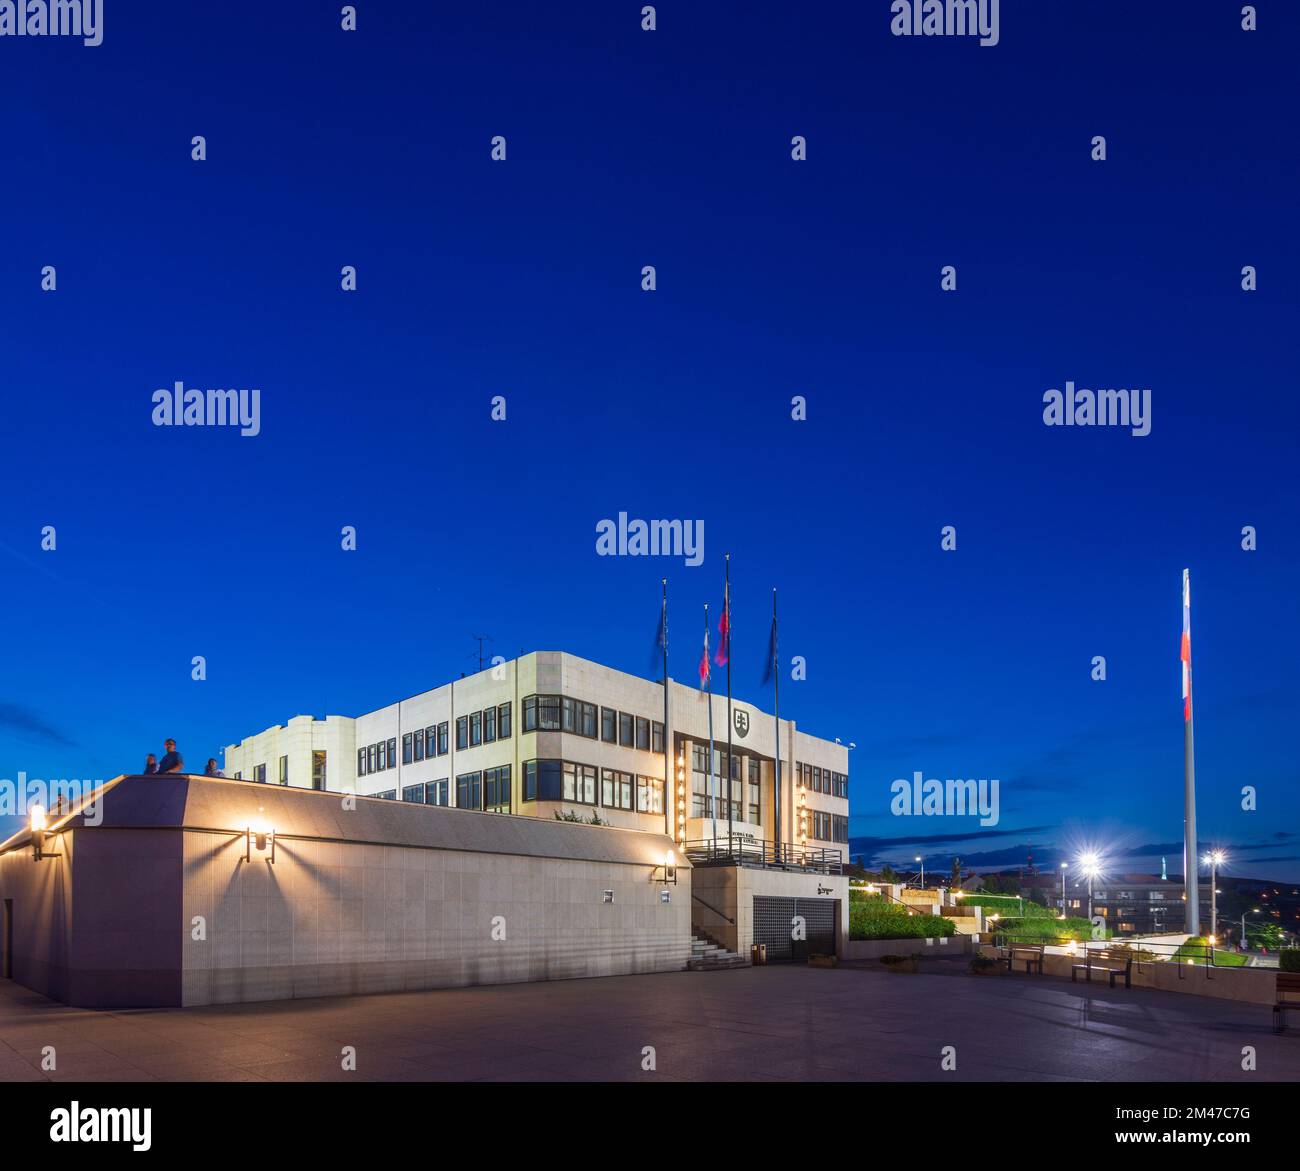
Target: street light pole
point(1064, 867)
point(921, 860)
point(1214, 858)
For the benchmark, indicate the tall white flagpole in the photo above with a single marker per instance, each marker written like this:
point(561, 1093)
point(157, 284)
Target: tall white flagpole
point(1190, 885)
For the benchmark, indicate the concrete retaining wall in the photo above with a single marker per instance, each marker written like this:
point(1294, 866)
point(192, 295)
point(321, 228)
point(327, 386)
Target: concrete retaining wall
point(155, 903)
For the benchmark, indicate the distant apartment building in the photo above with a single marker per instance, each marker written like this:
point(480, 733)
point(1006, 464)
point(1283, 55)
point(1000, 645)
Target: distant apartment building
point(550, 734)
point(1134, 904)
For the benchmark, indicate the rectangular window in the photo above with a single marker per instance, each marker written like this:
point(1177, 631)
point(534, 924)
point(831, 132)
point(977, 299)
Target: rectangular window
point(386, 795)
point(569, 714)
point(643, 733)
point(579, 783)
point(489, 725)
point(701, 797)
point(625, 729)
point(496, 789)
point(608, 785)
point(442, 738)
point(625, 791)
point(475, 729)
point(408, 748)
point(609, 725)
point(259, 773)
point(381, 756)
point(462, 732)
point(503, 721)
point(657, 737)
point(548, 713)
point(284, 770)
point(468, 792)
point(530, 713)
point(419, 745)
point(755, 804)
point(372, 755)
point(530, 780)
point(550, 780)
point(587, 720)
point(435, 792)
point(650, 794)
point(392, 752)
point(414, 793)
point(361, 762)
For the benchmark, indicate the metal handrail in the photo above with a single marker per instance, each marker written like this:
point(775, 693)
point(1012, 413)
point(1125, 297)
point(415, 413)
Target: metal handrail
point(1163, 952)
point(711, 907)
point(733, 850)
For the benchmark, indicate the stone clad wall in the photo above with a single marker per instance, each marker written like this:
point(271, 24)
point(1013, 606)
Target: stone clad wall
point(333, 918)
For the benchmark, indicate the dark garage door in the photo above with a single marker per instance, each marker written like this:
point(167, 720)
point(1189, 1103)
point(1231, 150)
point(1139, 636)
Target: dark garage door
point(774, 925)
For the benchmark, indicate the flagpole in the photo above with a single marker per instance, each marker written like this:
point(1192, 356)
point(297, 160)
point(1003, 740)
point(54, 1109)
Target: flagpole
point(668, 748)
point(727, 610)
point(776, 681)
point(708, 679)
point(1190, 884)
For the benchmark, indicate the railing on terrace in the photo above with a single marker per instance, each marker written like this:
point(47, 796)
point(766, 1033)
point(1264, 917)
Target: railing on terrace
point(737, 851)
point(1193, 953)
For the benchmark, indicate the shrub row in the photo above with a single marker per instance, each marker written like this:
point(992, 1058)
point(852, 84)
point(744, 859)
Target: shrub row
point(875, 922)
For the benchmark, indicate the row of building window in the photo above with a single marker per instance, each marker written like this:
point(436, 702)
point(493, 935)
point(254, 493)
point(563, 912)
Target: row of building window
point(317, 771)
point(702, 800)
point(585, 784)
point(485, 727)
point(562, 713)
point(822, 780)
point(376, 758)
point(828, 827)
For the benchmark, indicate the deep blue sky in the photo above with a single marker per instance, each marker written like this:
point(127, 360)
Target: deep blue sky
point(775, 278)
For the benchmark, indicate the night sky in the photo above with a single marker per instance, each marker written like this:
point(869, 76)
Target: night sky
point(775, 278)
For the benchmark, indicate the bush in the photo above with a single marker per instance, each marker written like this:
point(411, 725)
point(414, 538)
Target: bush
point(979, 962)
point(869, 921)
point(1007, 905)
point(1040, 929)
point(1288, 959)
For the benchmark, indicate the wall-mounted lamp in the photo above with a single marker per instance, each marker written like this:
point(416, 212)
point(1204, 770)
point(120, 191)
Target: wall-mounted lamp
point(38, 827)
point(667, 872)
point(259, 837)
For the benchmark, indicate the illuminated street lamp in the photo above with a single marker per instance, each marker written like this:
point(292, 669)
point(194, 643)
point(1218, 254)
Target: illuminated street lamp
point(1064, 867)
point(922, 862)
point(1090, 864)
point(1252, 911)
point(1214, 859)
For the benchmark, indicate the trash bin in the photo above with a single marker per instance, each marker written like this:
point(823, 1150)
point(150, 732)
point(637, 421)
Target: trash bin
point(758, 955)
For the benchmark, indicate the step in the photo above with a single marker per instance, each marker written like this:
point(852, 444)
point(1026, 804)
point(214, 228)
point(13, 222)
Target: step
point(714, 965)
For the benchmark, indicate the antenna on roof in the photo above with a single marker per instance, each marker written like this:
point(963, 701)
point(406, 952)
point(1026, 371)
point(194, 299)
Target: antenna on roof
point(481, 639)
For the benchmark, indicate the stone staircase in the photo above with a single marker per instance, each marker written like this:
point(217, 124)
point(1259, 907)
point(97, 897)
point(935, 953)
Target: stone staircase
point(707, 955)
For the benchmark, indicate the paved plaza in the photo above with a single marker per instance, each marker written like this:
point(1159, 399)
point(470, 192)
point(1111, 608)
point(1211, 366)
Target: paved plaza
point(774, 1023)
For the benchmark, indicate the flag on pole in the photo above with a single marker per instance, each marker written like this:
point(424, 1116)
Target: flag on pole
point(1186, 653)
point(769, 670)
point(704, 659)
point(660, 647)
point(724, 630)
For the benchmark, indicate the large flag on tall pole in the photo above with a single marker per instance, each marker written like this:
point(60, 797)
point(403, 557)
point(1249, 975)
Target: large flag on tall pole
point(1190, 885)
point(724, 649)
point(773, 671)
point(706, 681)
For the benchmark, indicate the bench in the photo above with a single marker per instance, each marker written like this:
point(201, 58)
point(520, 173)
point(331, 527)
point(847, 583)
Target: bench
point(1288, 996)
point(1113, 961)
point(1030, 953)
